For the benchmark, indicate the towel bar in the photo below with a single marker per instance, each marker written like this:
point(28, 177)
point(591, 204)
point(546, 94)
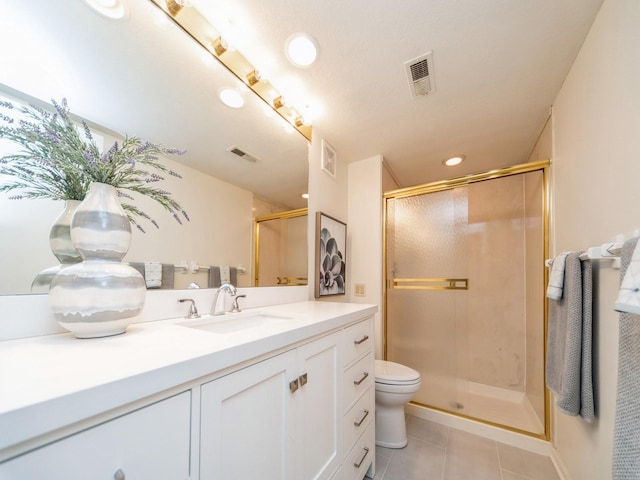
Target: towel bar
point(606, 251)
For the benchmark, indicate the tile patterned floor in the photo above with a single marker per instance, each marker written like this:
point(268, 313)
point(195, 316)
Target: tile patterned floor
point(437, 452)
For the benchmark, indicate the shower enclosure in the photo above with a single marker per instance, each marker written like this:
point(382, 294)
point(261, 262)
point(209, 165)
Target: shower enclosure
point(280, 253)
point(465, 294)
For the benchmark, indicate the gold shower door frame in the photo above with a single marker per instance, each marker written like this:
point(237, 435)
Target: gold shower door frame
point(447, 284)
point(285, 280)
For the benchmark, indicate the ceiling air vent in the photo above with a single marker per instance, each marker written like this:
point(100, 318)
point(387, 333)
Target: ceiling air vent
point(242, 154)
point(420, 74)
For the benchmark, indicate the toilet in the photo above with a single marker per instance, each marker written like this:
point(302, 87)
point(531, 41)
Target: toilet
point(395, 386)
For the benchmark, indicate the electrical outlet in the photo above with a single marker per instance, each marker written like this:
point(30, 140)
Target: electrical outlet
point(360, 290)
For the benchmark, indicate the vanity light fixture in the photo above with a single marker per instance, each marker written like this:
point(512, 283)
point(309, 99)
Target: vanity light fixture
point(174, 6)
point(253, 77)
point(210, 38)
point(450, 162)
point(279, 102)
point(301, 49)
point(231, 98)
point(219, 46)
point(113, 9)
point(305, 196)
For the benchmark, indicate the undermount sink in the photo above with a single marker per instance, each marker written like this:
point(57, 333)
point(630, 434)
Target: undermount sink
point(233, 322)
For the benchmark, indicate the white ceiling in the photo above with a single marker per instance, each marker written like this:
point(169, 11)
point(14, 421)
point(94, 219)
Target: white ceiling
point(498, 65)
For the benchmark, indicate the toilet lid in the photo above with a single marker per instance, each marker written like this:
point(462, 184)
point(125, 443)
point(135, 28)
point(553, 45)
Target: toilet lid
point(394, 373)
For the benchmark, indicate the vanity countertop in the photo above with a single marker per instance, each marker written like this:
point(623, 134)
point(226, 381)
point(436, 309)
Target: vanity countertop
point(56, 380)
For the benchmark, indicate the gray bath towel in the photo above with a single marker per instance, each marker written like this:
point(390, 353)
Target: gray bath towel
point(569, 343)
point(168, 271)
point(626, 438)
point(214, 276)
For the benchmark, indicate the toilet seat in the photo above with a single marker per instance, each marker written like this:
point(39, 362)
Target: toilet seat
point(390, 373)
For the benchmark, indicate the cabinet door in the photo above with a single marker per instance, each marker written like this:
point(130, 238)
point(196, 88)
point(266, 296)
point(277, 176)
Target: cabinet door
point(319, 406)
point(246, 423)
point(152, 442)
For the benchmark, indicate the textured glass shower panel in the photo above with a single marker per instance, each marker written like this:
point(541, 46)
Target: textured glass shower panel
point(426, 240)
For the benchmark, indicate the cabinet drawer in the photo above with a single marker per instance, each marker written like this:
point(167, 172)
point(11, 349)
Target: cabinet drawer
point(358, 340)
point(358, 418)
point(361, 456)
point(152, 442)
point(357, 379)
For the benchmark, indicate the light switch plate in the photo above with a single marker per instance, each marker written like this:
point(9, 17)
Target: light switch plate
point(360, 290)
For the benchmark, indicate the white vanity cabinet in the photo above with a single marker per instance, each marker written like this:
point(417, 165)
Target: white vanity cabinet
point(358, 401)
point(277, 419)
point(152, 442)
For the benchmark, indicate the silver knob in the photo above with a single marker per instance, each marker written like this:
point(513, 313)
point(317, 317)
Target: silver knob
point(119, 475)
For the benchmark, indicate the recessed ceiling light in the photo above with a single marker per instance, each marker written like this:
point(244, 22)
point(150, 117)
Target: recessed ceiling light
point(450, 162)
point(301, 50)
point(113, 9)
point(231, 98)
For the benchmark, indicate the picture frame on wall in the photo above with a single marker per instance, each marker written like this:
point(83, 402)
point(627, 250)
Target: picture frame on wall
point(329, 159)
point(331, 258)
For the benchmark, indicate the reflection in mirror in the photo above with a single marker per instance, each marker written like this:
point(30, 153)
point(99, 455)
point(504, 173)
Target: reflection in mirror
point(140, 76)
point(281, 249)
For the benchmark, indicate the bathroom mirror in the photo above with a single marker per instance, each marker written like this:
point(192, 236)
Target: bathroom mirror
point(141, 75)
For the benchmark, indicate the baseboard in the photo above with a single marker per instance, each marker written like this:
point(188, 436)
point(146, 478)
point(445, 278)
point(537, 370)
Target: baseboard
point(560, 467)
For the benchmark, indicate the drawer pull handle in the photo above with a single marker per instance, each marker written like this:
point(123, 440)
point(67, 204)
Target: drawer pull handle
point(357, 423)
point(362, 340)
point(362, 379)
point(366, 452)
point(303, 379)
point(119, 475)
point(293, 385)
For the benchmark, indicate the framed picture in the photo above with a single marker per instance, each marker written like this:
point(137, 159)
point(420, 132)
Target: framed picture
point(331, 259)
point(329, 159)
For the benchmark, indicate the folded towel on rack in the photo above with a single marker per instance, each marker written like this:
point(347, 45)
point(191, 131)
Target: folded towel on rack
point(556, 276)
point(225, 274)
point(153, 274)
point(569, 341)
point(215, 277)
point(626, 436)
point(166, 279)
point(629, 295)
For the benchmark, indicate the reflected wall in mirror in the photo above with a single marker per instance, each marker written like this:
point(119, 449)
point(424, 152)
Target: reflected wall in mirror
point(143, 76)
point(281, 249)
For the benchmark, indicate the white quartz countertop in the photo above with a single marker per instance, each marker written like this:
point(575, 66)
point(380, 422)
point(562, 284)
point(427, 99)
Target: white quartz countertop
point(56, 380)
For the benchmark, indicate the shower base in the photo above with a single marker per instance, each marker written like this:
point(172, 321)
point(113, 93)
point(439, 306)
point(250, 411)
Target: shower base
point(495, 405)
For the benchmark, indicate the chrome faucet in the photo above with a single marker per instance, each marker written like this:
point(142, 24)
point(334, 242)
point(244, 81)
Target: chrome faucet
point(193, 311)
point(235, 308)
point(226, 288)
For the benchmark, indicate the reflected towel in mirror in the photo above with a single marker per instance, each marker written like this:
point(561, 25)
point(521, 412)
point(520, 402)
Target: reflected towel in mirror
point(215, 277)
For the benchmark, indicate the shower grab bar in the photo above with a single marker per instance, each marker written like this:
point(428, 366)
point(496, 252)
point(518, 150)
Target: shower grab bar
point(606, 251)
point(431, 283)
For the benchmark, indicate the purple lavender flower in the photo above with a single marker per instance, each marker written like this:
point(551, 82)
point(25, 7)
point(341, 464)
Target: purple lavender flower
point(174, 174)
point(186, 216)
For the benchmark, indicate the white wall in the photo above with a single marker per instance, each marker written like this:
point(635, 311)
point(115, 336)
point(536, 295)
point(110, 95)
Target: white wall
point(327, 195)
point(365, 236)
point(596, 173)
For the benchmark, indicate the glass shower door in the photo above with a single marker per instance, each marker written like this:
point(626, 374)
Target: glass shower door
point(426, 292)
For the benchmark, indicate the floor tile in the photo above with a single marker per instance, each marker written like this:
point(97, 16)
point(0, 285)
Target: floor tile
point(527, 464)
point(512, 476)
point(428, 431)
point(382, 463)
point(418, 460)
point(471, 457)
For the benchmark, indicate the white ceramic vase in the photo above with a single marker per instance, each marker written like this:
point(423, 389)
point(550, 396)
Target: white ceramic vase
point(99, 296)
point(61, 246)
